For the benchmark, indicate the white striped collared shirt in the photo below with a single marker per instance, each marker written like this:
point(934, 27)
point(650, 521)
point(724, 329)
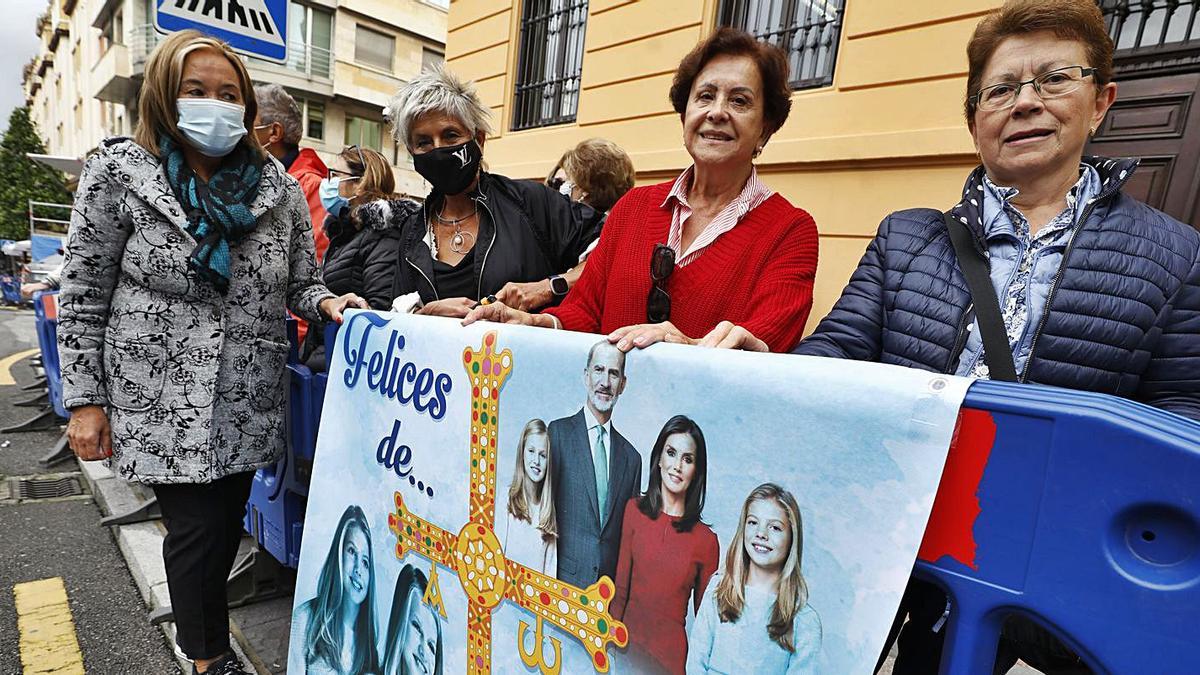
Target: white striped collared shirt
point(753, 194)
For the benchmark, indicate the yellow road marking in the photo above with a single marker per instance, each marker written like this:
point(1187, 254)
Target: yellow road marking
point(7, 362)
point(48, 642)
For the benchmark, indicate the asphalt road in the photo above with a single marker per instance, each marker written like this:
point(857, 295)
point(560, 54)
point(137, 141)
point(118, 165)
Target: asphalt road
point(63, 538)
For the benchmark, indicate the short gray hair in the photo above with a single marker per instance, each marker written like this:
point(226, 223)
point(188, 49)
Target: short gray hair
point(436, 89)
point(275, 105)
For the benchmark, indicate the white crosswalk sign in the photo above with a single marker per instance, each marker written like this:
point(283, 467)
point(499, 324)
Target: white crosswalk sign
point(253, 27)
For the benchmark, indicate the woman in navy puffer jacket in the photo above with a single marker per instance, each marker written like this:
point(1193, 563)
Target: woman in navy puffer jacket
point(1098, 291)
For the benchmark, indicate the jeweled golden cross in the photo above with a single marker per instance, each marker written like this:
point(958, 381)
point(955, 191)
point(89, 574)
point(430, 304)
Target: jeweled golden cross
point(475, 554)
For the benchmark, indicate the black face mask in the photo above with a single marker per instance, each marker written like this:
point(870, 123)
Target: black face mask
point(451, 169)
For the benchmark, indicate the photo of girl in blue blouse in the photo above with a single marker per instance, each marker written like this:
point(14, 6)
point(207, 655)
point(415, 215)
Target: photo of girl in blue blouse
point(755, 617)
point(338, 625)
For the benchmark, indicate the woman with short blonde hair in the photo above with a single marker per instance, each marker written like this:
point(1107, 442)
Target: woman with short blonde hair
point(187, 244)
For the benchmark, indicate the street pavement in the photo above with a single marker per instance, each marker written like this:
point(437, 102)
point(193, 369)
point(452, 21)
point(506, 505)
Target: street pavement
point(62, 537)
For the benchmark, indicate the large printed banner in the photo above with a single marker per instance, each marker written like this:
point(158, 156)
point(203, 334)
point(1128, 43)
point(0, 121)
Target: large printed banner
point(518, 500)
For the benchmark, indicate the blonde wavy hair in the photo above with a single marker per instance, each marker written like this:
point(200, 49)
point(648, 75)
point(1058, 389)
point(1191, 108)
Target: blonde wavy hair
point(157, 112)
point(791, 594)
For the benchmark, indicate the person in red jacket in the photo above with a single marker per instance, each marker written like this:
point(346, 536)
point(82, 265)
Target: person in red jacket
point(278, 127)
point(715, 245)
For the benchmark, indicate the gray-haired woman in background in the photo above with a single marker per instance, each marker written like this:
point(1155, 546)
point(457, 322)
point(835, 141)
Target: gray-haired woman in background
point(479, 233)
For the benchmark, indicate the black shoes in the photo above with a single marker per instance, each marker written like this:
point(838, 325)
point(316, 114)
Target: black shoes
point(228, 665)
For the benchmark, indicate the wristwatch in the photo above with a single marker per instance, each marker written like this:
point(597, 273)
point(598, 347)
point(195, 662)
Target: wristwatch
point(558, 285)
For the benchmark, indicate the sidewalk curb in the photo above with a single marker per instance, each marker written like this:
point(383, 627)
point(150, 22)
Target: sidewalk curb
point(141, 546)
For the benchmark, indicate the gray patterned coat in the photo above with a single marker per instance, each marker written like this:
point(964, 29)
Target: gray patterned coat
point(192, 381)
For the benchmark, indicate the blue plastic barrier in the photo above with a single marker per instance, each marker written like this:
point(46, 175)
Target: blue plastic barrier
point(278, 496)
point(45, 311)
point(11, 290)
point(1079, 511)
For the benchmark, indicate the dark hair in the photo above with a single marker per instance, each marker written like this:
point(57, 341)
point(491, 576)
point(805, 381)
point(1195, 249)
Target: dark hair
point(410, 577)
point(772, 66)
point(651, 502)
point(1079, 20)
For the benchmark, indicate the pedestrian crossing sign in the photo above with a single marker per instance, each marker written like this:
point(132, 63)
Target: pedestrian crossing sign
point(255, 28)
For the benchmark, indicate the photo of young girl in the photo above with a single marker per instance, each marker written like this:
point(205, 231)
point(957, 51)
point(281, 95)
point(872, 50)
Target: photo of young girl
point(414, 630)
point(667, 555)
point(757, 619)
point(338, 624)
point(529, 533)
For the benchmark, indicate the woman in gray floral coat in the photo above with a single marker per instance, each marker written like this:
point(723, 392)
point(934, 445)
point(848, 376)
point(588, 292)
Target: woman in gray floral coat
point(187, 244)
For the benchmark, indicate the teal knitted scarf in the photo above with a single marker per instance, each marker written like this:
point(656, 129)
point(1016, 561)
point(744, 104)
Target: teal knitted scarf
point(218, 211)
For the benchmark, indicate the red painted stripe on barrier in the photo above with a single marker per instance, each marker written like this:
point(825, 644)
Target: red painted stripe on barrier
point(950, 531)
point(50, 306)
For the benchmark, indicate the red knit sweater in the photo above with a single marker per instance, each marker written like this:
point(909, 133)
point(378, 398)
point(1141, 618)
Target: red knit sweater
point(759, 275)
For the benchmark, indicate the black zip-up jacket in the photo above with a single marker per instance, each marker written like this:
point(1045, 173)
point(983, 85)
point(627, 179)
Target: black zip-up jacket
point(527, 232)
point(348, 267)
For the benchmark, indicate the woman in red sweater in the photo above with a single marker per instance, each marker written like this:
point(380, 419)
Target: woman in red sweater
point(715, 245)
point(667, 555)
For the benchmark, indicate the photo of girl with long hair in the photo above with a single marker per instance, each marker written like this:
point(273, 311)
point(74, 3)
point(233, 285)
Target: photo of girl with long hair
point(757, 619)
point(414, 630)
point(530, 533)
point(337, 626)
point(667, 555)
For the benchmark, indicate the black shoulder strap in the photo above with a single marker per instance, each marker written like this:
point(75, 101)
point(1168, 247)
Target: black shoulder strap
point(996, 351)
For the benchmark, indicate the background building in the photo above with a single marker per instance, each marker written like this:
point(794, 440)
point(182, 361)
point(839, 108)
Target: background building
point(877, 115)
point(345, 59)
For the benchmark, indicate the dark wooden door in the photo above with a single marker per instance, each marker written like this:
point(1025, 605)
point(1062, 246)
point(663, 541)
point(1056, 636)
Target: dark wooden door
point(1158, 120)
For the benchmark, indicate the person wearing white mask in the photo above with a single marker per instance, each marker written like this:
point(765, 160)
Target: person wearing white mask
point(186, 245)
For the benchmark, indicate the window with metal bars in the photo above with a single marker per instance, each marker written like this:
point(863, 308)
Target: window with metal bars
point(550, 62)
point(807, 30)
point(1150, 24)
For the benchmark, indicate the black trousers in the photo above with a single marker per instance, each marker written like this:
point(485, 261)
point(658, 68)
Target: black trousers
point(204, 526)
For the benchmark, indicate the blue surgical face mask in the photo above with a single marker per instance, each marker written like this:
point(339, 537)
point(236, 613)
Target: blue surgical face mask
point(212, 127)
point(331, 198)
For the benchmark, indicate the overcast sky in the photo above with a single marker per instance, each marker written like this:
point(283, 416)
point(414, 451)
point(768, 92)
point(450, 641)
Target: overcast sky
point(20, 43)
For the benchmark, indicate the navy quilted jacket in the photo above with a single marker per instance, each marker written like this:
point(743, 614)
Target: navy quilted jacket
point(1123, 317)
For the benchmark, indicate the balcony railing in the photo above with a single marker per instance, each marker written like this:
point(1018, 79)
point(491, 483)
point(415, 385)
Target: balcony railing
point(312, 61)
point(1150, 24)
point(142, 40)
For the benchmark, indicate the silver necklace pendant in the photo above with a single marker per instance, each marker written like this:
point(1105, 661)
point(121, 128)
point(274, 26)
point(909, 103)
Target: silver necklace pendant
point(461, 242)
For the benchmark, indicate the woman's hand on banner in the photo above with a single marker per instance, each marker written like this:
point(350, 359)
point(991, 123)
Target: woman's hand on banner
point(332, 308)
point(728, 335)
point(498, 312)
point(452, 307)
point(645, 334)
point(526, 297)
point(88, 433)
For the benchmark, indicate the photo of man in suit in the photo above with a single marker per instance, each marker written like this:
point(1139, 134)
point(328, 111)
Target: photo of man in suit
point(598, 471)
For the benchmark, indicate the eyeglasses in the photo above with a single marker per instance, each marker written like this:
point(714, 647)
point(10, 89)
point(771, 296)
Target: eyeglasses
point(347, 175)
point(555, 183)
point(1051, 84)
point(658, 304)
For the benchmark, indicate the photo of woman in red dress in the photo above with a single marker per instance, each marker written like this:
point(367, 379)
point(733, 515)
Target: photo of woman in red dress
point(667, 555)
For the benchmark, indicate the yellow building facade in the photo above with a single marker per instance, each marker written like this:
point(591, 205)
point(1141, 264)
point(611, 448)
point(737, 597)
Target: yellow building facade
point(887, 134)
